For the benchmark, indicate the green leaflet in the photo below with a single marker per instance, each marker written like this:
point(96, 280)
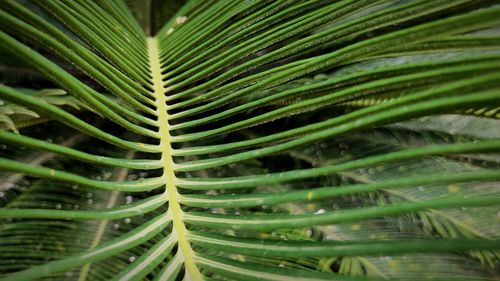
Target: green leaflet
point(15, 116)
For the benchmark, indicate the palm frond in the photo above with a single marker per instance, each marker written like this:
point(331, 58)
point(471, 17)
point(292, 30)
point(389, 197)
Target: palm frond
point(250, 140)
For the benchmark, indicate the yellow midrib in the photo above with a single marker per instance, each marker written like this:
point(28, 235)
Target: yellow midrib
point(168, 165)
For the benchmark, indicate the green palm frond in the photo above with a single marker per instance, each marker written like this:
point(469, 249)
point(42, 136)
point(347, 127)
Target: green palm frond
point(249, 140)
point(14, 116)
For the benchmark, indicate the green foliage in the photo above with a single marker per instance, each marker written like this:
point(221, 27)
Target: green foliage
point(250, 140)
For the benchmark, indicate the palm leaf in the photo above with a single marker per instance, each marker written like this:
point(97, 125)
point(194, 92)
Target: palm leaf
point(250, 140)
